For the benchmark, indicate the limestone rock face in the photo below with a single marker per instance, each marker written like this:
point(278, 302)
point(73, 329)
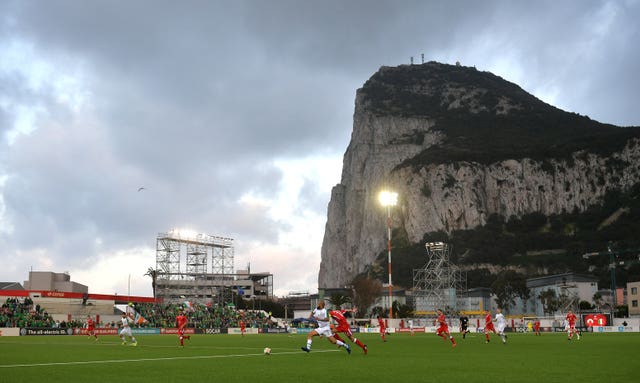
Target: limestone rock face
point(459, 145)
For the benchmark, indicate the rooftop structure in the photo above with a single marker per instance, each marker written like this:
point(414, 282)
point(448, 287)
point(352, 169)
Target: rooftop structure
point(47, 280)
point(199, 268)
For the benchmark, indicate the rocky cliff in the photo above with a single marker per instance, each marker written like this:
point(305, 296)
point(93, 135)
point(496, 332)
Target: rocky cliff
point(459, 145)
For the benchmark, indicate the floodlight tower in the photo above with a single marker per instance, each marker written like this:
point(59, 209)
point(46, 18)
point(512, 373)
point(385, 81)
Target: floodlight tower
point(389, 199)
point(614, 262)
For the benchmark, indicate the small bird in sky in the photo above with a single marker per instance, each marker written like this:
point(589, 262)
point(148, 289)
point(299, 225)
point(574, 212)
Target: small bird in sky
point(141, 188)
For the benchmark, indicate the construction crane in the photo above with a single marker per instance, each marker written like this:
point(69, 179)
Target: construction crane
point(612, 264)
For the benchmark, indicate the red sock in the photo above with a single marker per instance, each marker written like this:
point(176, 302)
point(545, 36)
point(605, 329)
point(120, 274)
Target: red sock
point(338, 337)
point(358, 343)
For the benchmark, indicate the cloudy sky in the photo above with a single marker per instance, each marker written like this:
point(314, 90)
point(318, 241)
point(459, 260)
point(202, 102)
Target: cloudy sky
point(234, 115)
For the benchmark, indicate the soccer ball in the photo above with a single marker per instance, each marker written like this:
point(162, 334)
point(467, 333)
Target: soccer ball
point(267, 351)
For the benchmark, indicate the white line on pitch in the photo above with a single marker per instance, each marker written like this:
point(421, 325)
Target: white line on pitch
point(151, 359)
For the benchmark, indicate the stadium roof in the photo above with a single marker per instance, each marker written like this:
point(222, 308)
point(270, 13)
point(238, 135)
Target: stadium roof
point(560, 279)
point(11, 286)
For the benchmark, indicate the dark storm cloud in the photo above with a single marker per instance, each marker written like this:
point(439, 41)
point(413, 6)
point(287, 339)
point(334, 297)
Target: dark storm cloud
point(197, 100)
point(168, 58)
point(577, 50)
point(350, 35)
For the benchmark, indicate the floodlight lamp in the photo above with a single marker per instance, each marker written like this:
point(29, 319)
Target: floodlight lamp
point(388, 198)
point(184, 233)
point(434, 246)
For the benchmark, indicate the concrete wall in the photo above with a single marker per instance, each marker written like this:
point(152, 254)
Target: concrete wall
point(49, 281)
point(74, 306)
point(633, 298)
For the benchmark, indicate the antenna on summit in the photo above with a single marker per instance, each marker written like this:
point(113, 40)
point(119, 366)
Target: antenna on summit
point(411, 60)
point(422, 54)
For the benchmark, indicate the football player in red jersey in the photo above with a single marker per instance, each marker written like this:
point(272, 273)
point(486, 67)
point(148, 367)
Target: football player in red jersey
point(181, 321)
point(571, 319)
point(536, 326)
point(342, 325)
point(243, 327)
point(443, 328)
point(91, 327)
point(383, 328)
point(488, 325)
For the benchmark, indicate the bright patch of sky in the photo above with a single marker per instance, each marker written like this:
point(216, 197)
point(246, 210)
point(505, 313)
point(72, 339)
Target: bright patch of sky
point(63, 80)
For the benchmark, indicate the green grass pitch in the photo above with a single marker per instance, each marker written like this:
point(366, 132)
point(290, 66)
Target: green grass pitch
point(403, 358)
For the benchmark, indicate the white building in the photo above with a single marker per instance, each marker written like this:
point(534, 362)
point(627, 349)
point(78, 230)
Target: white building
point(572, 287)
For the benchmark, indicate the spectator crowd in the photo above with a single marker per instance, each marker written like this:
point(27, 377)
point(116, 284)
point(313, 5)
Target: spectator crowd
point(201, 316)
point(23, 313)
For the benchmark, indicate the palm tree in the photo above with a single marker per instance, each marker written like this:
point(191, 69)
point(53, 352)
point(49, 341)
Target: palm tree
point(549, 301)
point(153, 273)
point(597, 299)
point(337, 300)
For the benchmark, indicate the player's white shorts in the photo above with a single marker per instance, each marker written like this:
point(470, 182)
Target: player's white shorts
point(126, 331)
point(500, 328)
point(324, 331)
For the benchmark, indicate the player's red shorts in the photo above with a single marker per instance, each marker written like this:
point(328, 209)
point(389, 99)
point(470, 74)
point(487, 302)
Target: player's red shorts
point(343, 328)
point(180, 331)
point(443, 329)
point(90, 329)
point(489, 327)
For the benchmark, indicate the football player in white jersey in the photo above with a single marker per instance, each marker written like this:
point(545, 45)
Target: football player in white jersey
point(501, 323)
point(321, 315)
point(126, 330)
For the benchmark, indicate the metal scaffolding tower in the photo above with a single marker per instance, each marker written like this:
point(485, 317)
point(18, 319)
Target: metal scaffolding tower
point(167, 257)
point(439, 283)
point(197, 266)
point(196, 258)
